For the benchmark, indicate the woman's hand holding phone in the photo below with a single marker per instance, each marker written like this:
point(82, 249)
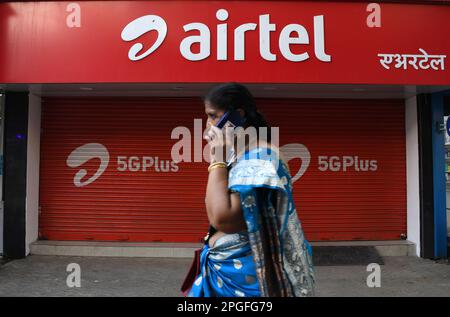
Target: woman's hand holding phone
point(220, 142)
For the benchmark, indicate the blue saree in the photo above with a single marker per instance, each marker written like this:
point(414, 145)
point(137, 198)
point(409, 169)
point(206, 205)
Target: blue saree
point(272, 258)
point(227, 269)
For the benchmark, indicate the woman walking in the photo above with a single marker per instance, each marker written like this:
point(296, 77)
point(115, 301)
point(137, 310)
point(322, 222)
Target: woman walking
point(255, 245)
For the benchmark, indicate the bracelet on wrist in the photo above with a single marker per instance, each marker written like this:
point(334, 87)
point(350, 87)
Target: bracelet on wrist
point(217, 165)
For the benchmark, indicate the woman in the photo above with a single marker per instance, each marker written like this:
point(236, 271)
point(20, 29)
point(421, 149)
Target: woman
point(255, 245)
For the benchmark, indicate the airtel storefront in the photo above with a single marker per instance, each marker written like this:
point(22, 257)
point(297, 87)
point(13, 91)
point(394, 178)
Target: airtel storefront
point(99, 96)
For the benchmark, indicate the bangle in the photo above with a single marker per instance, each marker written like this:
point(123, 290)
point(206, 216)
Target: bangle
point(216, 165)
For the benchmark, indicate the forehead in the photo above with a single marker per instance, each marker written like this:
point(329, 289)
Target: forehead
point(209, 107)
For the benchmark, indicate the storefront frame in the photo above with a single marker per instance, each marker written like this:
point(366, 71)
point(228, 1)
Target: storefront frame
point(33, 156)
point(431, 221)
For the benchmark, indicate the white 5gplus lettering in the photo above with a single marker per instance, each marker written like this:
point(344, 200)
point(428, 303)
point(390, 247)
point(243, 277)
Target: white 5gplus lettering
point(136, 164)
point(346, 163)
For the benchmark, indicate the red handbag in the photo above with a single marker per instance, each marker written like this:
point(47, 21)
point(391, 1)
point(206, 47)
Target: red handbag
point(194, 271)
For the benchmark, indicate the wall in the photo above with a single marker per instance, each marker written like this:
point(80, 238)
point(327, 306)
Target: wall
point(1, 174)
point(412, 172)
point(33, 159)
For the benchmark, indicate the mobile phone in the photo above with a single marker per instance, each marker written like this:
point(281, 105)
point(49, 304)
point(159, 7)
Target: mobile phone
point(231, 119)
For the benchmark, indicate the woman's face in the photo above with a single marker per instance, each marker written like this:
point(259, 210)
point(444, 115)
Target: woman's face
point(213, 114)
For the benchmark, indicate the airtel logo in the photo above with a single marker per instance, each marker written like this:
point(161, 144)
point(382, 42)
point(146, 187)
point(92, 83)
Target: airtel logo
point(138, 28)
point(291, 34)
point(84, 153)
point(295, 150)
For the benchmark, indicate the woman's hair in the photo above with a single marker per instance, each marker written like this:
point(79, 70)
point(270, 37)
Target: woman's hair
point(234, 96)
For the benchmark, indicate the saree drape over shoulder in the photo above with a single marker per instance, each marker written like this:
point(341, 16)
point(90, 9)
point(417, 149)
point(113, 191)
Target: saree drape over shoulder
point(275, 250)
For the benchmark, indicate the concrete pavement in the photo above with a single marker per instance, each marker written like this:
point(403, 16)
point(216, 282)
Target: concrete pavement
point(108, 276)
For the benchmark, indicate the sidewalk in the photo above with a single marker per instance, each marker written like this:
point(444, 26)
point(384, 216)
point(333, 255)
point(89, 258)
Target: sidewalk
point(100, 276)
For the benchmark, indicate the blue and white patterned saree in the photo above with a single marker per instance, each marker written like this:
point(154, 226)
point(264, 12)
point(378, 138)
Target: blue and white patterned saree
point(227, 269)
point(272, 258)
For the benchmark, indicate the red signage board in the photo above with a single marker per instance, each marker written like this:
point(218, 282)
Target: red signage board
point(215, 41)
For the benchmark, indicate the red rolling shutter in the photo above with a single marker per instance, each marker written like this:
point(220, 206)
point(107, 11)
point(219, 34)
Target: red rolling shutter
point(121, 205)
point(347, 205)
point(166, 203)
